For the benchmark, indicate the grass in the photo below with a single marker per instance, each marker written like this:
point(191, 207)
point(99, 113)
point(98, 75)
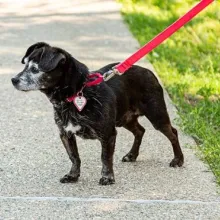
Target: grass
point(188, 64)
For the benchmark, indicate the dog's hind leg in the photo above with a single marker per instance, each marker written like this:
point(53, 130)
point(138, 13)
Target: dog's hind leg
point(71, 148)
point(171, 133)
point(138, 132)
point(155, 110)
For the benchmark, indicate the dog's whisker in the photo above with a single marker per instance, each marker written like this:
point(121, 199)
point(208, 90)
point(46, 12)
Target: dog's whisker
point(97, 101)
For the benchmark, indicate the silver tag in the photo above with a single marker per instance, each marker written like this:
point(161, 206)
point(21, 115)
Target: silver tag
point(79, 102)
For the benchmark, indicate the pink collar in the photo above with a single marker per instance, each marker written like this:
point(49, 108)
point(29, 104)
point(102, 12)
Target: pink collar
point(98, 79)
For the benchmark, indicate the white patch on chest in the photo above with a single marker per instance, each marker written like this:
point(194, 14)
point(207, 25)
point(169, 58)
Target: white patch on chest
point(72, 128)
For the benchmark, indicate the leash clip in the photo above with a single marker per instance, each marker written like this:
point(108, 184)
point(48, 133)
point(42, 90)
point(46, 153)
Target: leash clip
point(108, 75)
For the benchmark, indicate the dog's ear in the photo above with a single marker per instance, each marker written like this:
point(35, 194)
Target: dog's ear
point(50, 59)
point(32, 48)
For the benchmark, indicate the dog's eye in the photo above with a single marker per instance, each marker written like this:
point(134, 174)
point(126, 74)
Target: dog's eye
point(34, 69)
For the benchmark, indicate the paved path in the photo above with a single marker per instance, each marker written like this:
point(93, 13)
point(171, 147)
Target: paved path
point(32, 158)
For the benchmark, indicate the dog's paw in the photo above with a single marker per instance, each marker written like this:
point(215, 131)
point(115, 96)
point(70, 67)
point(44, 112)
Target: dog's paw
point(106, 181)
point(177, 161)
point(69, 179)
point(129, 158)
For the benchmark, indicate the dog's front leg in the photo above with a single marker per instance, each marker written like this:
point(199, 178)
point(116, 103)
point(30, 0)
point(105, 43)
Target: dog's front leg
point(71, 148)
point(108, 147)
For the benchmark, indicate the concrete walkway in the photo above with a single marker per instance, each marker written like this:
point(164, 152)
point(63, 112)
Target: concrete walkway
point(32, 158)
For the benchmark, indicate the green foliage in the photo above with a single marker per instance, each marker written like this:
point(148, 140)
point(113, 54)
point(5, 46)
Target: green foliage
point(188, 64)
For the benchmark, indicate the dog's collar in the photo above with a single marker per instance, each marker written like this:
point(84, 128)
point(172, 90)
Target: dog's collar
point(93, 80)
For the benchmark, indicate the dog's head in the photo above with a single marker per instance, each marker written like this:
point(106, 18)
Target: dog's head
point(43, 65)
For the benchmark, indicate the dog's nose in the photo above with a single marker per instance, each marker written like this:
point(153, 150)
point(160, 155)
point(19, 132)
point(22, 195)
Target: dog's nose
point(14, 81)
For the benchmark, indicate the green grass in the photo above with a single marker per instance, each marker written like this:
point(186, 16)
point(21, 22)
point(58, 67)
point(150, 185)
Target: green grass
point(188, 64)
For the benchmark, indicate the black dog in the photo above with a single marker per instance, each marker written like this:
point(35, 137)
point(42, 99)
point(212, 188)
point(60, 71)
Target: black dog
point(117, 102)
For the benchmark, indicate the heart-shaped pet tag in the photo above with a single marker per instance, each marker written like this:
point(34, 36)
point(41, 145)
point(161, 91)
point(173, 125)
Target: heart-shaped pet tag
point(80, 102)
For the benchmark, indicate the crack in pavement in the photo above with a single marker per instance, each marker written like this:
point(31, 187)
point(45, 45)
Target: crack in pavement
point(99, 199)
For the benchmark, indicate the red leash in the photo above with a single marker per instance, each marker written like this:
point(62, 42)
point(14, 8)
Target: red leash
point(80, 101)
point(156, 41)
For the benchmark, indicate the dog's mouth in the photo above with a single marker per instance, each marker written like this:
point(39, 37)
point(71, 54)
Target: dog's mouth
point(29, 90)
point(22, 89)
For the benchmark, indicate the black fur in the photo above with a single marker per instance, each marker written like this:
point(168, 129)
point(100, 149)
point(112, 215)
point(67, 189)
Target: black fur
point(118, 102)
